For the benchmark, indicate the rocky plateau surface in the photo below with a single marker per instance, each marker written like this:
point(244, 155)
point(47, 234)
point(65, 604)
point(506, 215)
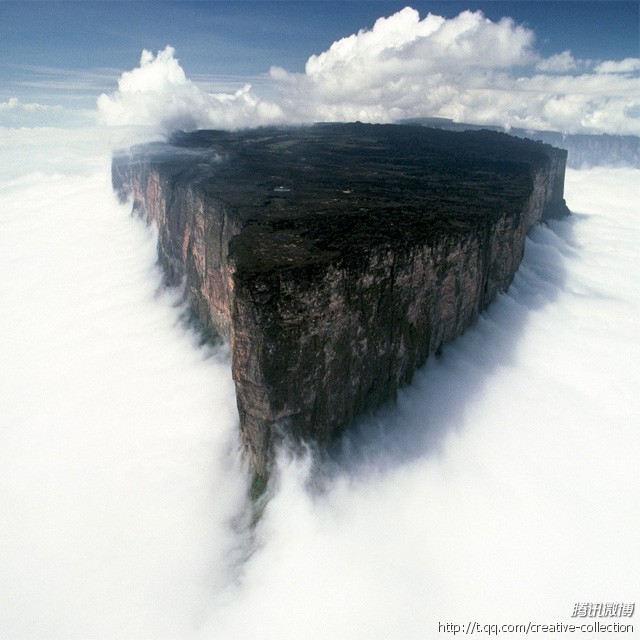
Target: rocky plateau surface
point(336, 258)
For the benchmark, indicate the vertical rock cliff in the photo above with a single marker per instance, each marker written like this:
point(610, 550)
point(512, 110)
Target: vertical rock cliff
point(336, 258)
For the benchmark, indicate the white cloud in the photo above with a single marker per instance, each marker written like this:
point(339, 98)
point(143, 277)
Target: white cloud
point(103, 536)
point(557, 63)
point(591, 103)
point(159, 95)
point(628, 65)
point(11, 103)
point(14, 104)
point(468, 68)
point(404, 67)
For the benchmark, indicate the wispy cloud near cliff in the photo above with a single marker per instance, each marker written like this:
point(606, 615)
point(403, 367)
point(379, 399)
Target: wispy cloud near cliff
point(468, 68)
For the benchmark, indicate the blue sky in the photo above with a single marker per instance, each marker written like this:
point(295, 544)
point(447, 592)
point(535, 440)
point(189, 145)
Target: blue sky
point(246, 38)
point(108, 33)
point(69, 52)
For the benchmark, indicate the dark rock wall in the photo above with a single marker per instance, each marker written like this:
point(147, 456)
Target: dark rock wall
point(316, 345)
point(194, 231)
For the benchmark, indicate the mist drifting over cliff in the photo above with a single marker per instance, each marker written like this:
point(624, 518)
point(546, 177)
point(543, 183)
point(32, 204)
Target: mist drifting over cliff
point(501, 488)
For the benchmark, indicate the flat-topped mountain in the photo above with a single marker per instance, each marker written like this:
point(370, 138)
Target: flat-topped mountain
point(335, 258)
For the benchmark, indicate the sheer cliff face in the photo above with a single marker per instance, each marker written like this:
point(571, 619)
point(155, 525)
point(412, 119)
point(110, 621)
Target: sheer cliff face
point(323, 325)
point(193, 236)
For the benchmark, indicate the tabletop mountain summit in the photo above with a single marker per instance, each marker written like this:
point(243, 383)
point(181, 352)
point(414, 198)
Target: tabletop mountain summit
point(336, 258)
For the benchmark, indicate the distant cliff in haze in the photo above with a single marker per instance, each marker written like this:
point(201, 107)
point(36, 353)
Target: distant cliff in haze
point(584, 150)
point(336, 258)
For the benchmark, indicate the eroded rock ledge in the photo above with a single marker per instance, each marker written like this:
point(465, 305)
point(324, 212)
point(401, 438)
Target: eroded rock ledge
point(336, 258)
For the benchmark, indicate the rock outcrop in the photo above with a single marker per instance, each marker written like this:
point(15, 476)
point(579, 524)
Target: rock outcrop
point(336, 258)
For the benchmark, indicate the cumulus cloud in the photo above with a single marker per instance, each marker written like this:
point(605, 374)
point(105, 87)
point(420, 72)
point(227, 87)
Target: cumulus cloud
point(587, 103)
point(558, 63)
point(405, 67)
point(467, 68)
point(628, 65)
point(437, 42)
point(158, 94)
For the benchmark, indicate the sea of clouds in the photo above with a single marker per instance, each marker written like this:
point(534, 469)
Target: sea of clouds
point(502, 487)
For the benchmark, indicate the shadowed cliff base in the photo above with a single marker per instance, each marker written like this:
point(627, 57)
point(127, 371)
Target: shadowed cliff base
point(445, 389)
point(336, 258)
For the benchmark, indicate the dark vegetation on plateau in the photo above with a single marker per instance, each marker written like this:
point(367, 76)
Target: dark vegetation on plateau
point(335, 192)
